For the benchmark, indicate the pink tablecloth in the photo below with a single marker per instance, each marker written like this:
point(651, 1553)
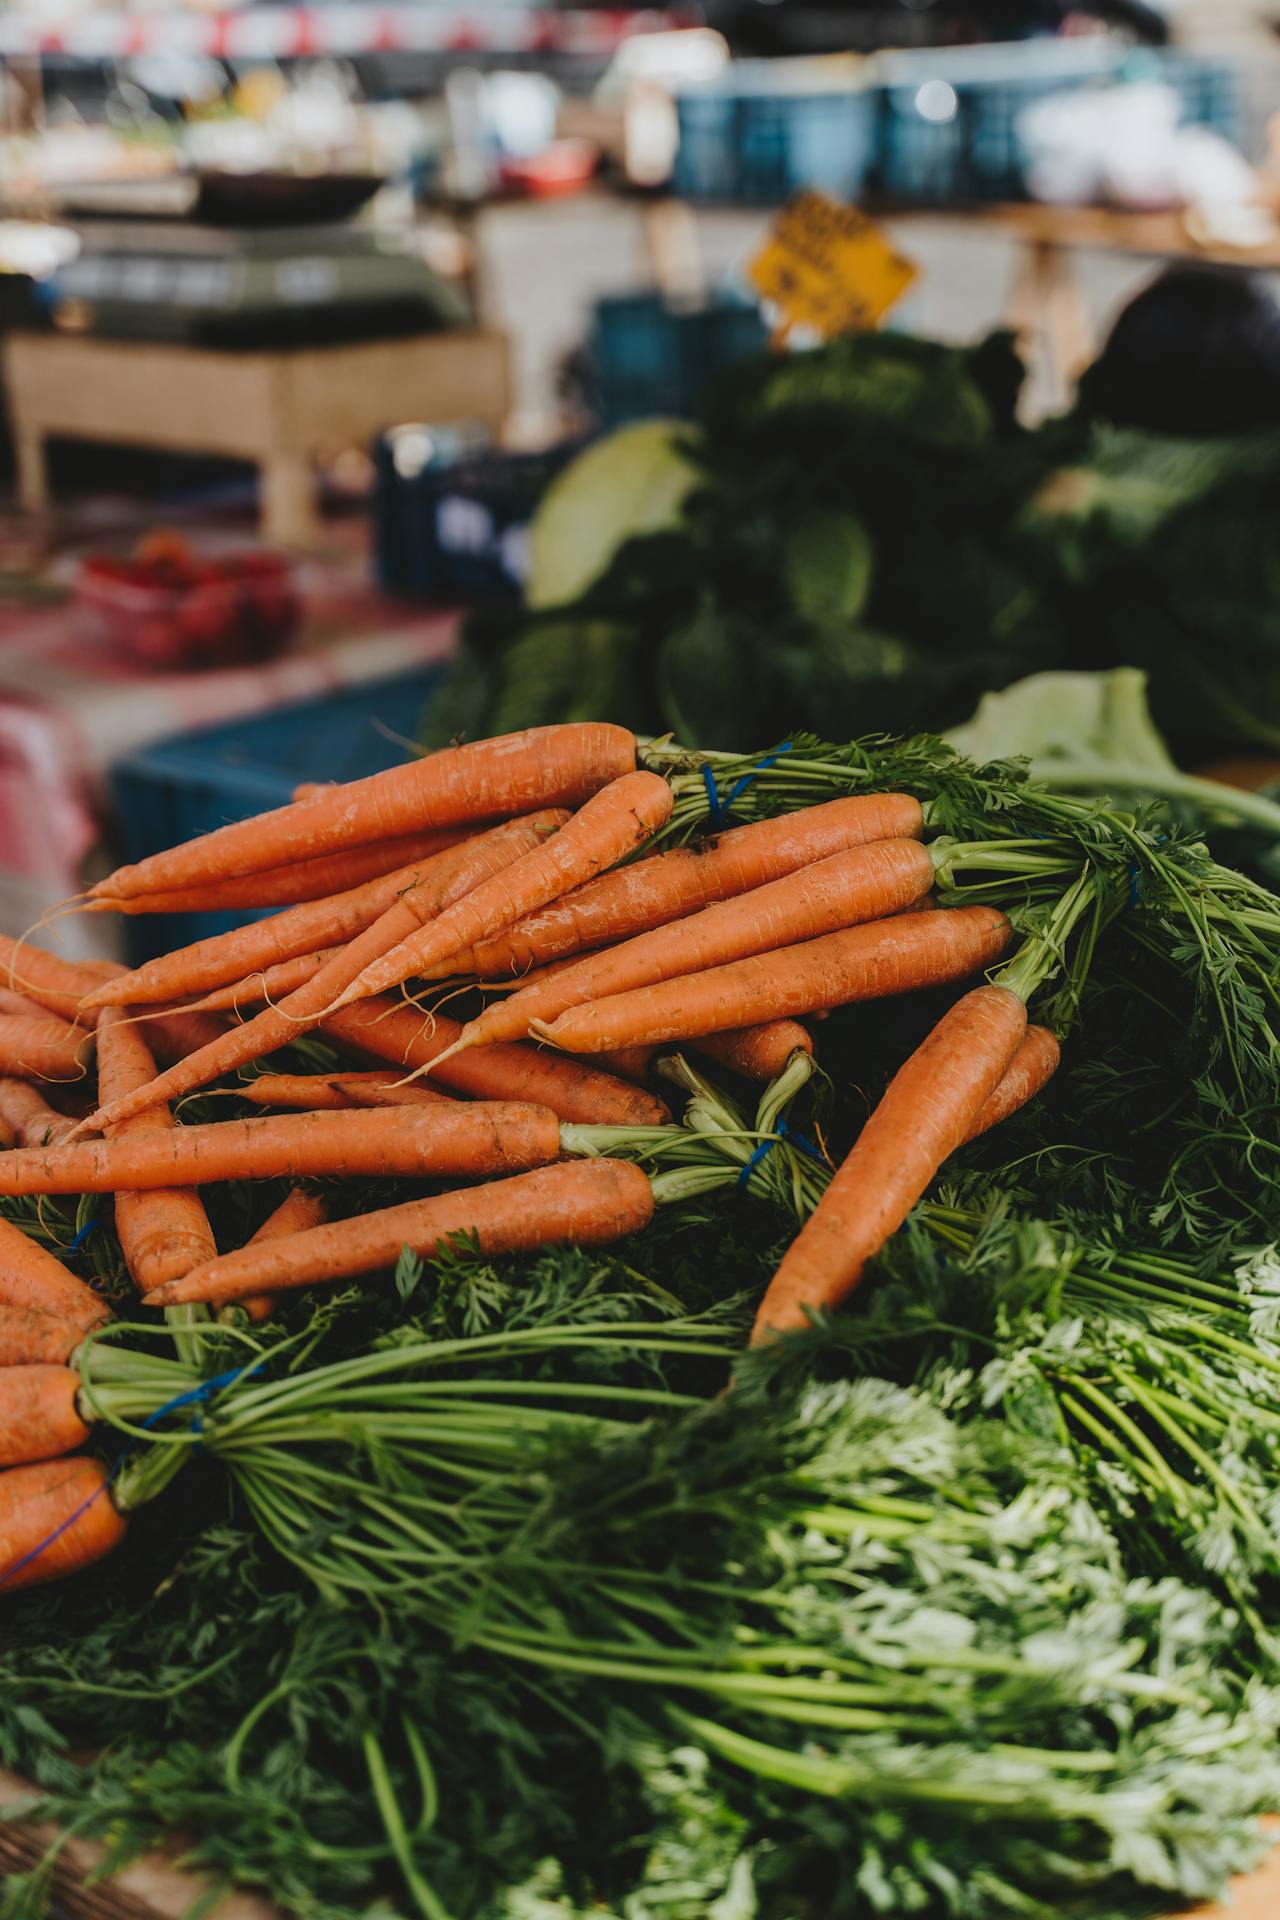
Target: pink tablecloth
point(66, 713)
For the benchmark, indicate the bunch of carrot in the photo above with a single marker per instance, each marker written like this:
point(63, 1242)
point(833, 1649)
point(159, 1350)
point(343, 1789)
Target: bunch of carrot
point(522, 866)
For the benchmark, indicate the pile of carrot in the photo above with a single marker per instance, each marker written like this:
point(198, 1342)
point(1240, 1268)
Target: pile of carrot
point(522, 867)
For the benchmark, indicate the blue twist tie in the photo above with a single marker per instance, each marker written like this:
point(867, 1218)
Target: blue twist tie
point(193, 1396)
point(82, 1236)
point(783, 1132)
point(721, 809)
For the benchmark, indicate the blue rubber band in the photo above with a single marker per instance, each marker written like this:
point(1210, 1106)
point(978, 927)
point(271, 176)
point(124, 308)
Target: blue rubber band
point(759, 1154)
point(82, 1236)
point(783, 1132)
point(192, 1396)
point(721, 809)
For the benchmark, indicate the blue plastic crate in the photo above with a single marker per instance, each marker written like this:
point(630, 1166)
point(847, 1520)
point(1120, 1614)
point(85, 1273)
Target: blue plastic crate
point(1210, 91)
point(948, 129)
point(756, 148)
point(652, 356)
point(178, 788)
point(920, 157)
point(452, 529)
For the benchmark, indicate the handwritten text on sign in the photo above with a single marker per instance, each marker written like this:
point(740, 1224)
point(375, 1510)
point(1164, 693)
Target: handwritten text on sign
point(826, 265)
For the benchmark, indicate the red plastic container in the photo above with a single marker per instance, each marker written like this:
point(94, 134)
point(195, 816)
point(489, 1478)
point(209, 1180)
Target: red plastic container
point(165, 607)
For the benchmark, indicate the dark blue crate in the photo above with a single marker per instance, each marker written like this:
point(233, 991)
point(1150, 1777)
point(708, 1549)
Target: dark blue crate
point(452, 531)
point(1210, 92)
point(919, 158)
point(652, 356)
point(178, 788)
point(757, 148)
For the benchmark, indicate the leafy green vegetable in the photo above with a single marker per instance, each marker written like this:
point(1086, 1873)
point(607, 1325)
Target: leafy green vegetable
point(827, 566)
point(635, 481)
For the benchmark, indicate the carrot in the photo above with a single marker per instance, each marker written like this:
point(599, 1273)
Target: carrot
point(281, 1025)
point(55, 1518)
point(178, 1034)
point(267, 986)
point(335, 1092)
point(17, 1004)
point(226, 958)
point(629, 1063)
point(861, 963)
point(930, 1108)
point(578, 1203)
point(28, 1336)
point(667, 886)
point(39, 1418)
point(60, 985)
point(300, 880)
point(31, 1121)
point(162, 1233)
point(36, 1047)
point(30, 1277)
point(54, 983)
point(300, 1209)
point(757, 1053)
point(612, 824)
point(1031, 1068)
point(492, 1137)
point(862, 883)
point(573, 1090)
point(545, 766)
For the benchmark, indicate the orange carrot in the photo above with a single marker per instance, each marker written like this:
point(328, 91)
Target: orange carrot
point(299, 1210)
point(611, 825)
point(226, 958)
point(31, 1121)
point(491, 1137)
point(54, 983)
point(861, 963)
point(178, 1034)
point(667, 886)
point(629, 1063)
point(30, 1277)
point(55, 1518)
point(279, 1026)
point(267, 986)
point(28, 1336)
point(300, 880)
point(36, 1047)
point(39, 1418)
point(1031, 1068)
point(335, 1092)
point(573, 1090)
point(543, 767)
point(862, 883)
point(577, 1203)
point(929, 1109)
point(17, 1004)
point(165, 1232)
point(757, 1053)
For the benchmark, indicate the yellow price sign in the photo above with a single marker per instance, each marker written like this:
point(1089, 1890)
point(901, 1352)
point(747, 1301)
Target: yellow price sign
point(827, 265)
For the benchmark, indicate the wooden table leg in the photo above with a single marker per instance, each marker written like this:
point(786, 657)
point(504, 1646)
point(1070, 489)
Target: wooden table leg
point(1045, 302)
point(287, 512)
point(33, 469)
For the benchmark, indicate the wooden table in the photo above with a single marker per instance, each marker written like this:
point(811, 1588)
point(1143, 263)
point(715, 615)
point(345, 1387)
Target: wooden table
point(1046, 299)
point(280, 408)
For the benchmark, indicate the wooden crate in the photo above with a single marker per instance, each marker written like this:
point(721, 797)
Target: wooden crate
point(154, 1889)
point(280, 408)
